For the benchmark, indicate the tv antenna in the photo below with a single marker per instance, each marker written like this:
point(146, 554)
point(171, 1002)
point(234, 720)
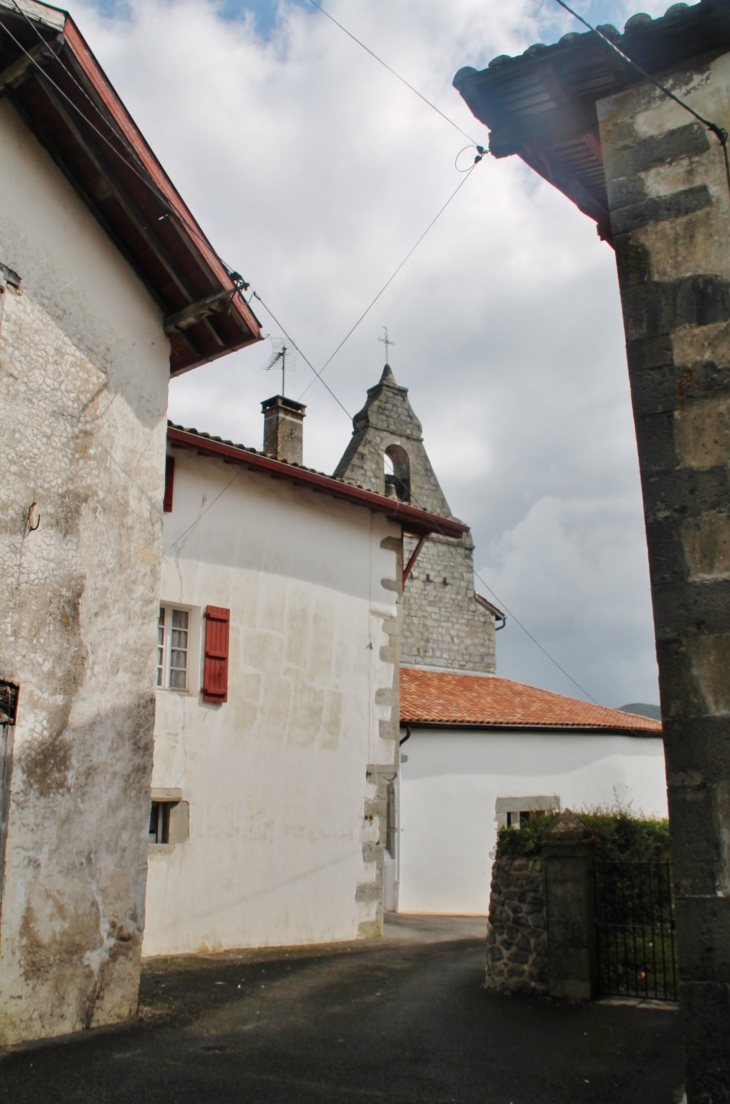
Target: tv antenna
point(387, 342)
point(285, 357)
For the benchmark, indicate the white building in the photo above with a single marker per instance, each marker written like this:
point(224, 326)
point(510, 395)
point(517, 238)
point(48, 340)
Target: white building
point(107, 287)
point(277, 726)
point(481, 752)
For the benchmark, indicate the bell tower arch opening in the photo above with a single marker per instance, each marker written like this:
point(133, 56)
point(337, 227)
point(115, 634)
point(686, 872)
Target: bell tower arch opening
point(397, 473)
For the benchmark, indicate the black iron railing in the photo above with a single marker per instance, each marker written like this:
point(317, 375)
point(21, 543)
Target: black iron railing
point(635, 943)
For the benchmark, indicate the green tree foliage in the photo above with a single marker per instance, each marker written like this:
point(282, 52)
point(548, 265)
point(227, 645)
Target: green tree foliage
point(621, 835)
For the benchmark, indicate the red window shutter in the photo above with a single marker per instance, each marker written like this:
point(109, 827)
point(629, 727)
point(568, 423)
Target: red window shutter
point(169, 484)
point(215, 675)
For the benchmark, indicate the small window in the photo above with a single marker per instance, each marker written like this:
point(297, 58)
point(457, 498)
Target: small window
point(169, 821)
point(173, 632)
point(159, 831)
point(511, 812)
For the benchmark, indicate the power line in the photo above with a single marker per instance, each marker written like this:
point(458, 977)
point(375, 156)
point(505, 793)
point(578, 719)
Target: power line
point(391, 70)
point(304, 358)
point(502, 604)
point(388, 282)
point(204, 241)
point(719, 132)
point(159, 195)
point(202, 515)
point(533, 639)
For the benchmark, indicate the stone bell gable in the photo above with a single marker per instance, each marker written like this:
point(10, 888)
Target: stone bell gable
point(386, 425)
point(444, 623)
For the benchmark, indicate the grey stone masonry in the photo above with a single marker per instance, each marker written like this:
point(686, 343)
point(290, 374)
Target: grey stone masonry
point(283, 429)
point(670, 212)
point(517, 940)
point(444, 625)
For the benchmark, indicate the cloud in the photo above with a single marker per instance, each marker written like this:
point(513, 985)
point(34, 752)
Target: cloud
point(314, 172)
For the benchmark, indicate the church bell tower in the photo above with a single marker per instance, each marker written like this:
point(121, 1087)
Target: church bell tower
point(446, 625)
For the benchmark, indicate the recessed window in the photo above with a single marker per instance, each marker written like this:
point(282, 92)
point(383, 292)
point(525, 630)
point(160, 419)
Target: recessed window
point(512, 812)
point(173, 633)
point(515, 819)
point(159, 830)
point(169, 821)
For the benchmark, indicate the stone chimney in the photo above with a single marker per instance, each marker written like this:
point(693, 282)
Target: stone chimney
point(283, 425)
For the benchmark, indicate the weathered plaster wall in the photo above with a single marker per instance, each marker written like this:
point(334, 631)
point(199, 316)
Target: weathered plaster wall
point(443, 625)
point(450, 782)
point(671, 217)
point(286, 781)
point(83, 393)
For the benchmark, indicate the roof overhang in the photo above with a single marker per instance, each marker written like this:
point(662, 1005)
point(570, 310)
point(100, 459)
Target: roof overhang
point(554, 729)
point(414, 521)
point(542, 104)
point(53, 80)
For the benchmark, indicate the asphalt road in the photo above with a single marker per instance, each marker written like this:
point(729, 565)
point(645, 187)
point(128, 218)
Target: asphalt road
point(401, 1020)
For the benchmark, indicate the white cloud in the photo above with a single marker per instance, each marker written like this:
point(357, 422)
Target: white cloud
point(314, 171)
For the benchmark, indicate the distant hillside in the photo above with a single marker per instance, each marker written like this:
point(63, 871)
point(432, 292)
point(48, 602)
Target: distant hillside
point(642, 709)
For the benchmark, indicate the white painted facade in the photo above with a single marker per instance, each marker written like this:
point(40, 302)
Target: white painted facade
point(281, 847)
point(449, 783)
point(84, 369)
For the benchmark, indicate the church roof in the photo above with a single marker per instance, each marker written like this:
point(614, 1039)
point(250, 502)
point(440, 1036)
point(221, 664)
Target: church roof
point(413, 520)
point(541, 105)
point(445, 698)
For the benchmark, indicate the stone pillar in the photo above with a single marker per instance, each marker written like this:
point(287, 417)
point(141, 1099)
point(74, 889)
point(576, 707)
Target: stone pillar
point(670, 213)
point(284, 428)
point(569, 898)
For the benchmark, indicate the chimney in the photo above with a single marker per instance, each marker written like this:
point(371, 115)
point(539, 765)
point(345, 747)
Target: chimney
point(283, 424)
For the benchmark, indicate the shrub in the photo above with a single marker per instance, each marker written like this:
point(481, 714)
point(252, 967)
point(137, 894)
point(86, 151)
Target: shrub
point(621, 835)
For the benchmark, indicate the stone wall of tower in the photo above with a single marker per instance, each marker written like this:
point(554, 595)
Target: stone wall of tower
point(443, 623)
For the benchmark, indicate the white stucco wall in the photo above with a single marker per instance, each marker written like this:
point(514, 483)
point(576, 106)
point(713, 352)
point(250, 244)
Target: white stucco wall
point(83, 394)
point(449, 783)
point(276, 777)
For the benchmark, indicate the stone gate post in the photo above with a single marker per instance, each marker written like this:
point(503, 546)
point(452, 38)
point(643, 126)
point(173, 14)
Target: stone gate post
point(569, 898)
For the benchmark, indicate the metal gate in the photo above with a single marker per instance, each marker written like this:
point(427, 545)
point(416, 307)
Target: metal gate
point(635, 944)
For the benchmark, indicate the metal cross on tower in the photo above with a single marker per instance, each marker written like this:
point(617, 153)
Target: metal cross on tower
point(387, 342)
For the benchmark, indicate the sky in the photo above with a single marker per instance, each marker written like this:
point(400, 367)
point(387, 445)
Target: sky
point(314, 171)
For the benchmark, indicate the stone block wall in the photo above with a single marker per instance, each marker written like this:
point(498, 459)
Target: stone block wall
point(443, 624)
point(517, 938)
point(670, 213)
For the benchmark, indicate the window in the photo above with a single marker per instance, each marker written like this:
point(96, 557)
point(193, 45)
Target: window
point(511, 812)
point(169, 818)
point(517, 819)
point(173, 628)
point(159, 830)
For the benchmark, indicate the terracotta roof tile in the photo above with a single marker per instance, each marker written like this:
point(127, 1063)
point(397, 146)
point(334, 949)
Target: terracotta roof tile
point(437, 697)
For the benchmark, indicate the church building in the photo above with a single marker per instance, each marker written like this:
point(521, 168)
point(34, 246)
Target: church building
point(445, 623)
point(477, 752)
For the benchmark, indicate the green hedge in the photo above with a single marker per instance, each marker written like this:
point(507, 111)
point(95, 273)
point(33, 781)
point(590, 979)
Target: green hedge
point(620, 836)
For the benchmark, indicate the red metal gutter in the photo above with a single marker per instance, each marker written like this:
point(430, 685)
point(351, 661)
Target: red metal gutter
point(418, 522)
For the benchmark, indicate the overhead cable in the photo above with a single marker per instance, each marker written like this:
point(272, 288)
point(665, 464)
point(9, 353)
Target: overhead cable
point(391, 70)
point(714, 128)
point(304, 358)
point(146, 180)
point(505, 607)
point(388, 282)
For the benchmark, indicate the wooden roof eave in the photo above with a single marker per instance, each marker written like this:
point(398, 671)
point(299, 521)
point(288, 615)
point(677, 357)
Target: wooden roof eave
point(95, 138)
